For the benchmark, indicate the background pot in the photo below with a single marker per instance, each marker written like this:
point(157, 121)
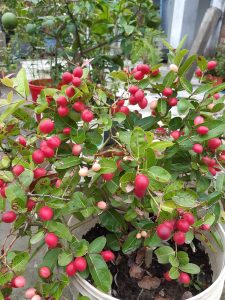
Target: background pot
point(213, 292)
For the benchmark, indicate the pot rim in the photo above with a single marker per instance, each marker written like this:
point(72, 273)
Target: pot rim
point(89, 286)
point(38, 83)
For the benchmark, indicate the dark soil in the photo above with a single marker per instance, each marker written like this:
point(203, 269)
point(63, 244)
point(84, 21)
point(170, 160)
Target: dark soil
point(126, 288)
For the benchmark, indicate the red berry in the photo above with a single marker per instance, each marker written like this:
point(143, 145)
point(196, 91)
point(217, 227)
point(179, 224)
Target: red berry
point(209, 161)
point(58, 183)
point(144, 68)
point(170, 224)
point(70, 92)
point(199, 120)
point(76, 150)
point(61, 101)
point(17, 170)
point(48, 152)
point(179, 237)
point(139, 75)
point(63, 111)
point(214, 143)
point(124, 109)
point(9, 216)
point(45, 213)
point(155, 72)
point(175, 134)
point(143, 103)
point(30, 204)
point(139, 193)
point(80, 264)
point(54, 142)
point(163, 231)
point(3, 191)
point(78, 106)
point(108, 255)
point(133, 89)
point(211, 65)
point(167, 276)
point(198, 73)
point(184, 278)
point(139, 95)
point(216, 96)
point(205, 227)
point(51, 240)
point(172, 101)
point(212, 171)
point(189, 218)
point(167, 92)
point(67, 77)
point(108, 176)
point(120, 102)
point(102, 205)
point(202, 130)
point(182, 225)
point(141, 182)
point(132, 100)
point(38, 156)
point(78, 72)
point(70, 269)
point(197, 148)
point(22, 141)
point(87, 116)
point(160, 130)
point(19, 281)
point(67, 130)
point(44, 272)
point(76, 81)
point(2, 182)
point(39, 172)
point(30, 293)
point(46, 126)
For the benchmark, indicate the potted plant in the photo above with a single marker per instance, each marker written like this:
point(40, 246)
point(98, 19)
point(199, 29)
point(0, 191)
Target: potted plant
point(153, 185)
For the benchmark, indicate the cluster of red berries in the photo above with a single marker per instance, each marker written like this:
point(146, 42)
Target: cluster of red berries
point(120, 107)
point(210, 66)
point(137, 97)
point(183, 278)
point(141, 70)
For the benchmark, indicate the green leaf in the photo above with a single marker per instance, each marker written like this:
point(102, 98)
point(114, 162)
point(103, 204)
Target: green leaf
point(15, 192)
point(186, 84)
point(113, 221)
point(183, 106)
point(215, 89)
point(175, 123)
point(131, 243)
point(138, 142)
point(79, 136)
point(94, 137)
point(37, 237)
point(21, 83)
point(99, 272)
point(26, 178)
point(80, 297)
point(6, 176)
point(182, 257)
point(190, 268)
point(146, 123)
point(5, 277)
point(80, 248)
point(202, 63)
point(173, 260)
point(169, 79)
point(220, 182)
point(202, 88)
point(108, 165)
point(150, 159)
point(186, 65)
point(67, 162)
point(59, 229)
point(161, 146)
point(10, 110)
point(185, 198)
point(163, 254)
point(7, 82)
point(153, 241)
point(97, 245)
point(174, 273)
point(64, 258)
point(121, 75)
point(20, 262)
point(112, 242)
point(159, 174)
point(119, 117)
point(162, 107)
point(127, 178)
point(179, 56)
point(51, 257)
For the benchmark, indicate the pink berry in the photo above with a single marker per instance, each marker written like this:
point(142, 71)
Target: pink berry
point(155, 72)
point(163, 232)
point(44, 272)
point(96, 167)
point(182, 225)
point(198, 73)
point(70, 269)
point(67, 131)
point(184, 278)
point(38, 156)
point(30, 204)
point(212, 171)
point(51, 240)
point(9, 216)
point(153, 104)
point(216, 96)
point(70, 92)
point(124, 109)
point(205, 227)
point(45, 213)
point(36, 297)
point(211, 65)
point(139, 75)
point(48, 152)
point(3, 191)
point(172, 101)
point(108, 255)
point(58, 183)
point(214, 143)
point(2, 182)
point(67, 77)
point(132, 100)
point(30, 293)
point(102, 205)
point(179, 237)
point(54, 142)
point(78, 106)
point(87, 116)
point(133, 89)
point(167, 276)
point(170, 224)
point(167, 92)
point(83, 172)
point(139, 95)
point(61, 101)
point(78, 72)
point(175, 134)
point(19, 282)
point(76, 81)
point(63, 111)
point(199, 120)
point(144, 68)
point(189, 218)
point(141, 182)
point(22, 141)
point(143, 103)
point(39, 172)
point(120, 102)
point(17, 170)
point(46, 126)
point(139, 193)
point(197, 148)
point(202, 130)
point(77, 149)
point(80, 264)
point(108, 177)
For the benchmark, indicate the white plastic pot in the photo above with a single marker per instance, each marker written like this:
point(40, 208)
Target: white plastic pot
point(213, 292)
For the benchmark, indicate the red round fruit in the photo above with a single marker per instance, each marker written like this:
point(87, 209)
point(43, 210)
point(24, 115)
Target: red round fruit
point(184, 278)
point(51, 240)
point(139, 95)
point(167, 92)
point(39, 172)
point(199, 120)
point(61, 101)
point(144, 68)
point(67, 77)
point(67, 130)
point(108, 255)
point(124, 109)
point(22, 141)
point(214, 143)
point(183, 225)
point(170, 224)
point(141, 182)
point(102, 205)
point(30, 293)
point(155, 72)
point(48, 152)
point(197, 148)
point(46, 126)
point(76, 150)
point(189, 218)
point(76, 81)
point(179, 237)
point(17, 170)
point(44, 272)
point(45, 213)
point(205, 227)
point(108, 176)
point(212, 171)
point(216, 96)
point(38, 156)
point(63, 111)
point(209, 161)
point(211, 64)
point(139, 193)
point(139, 75)
point(202, 130)
point(175, 134)
point(78, 72)
point(54, 142)
point(2, 182)
point(87, 116)
point(70, 92)
point(133, 89)
point(163, 231)
point(120, 102)
point(80, 264)
point(70, 269)
point(9, 216)
point(78, 106)
point(167, 276)
point(132, 100)
point(160, 130)
point(172, 101)
point(143, 103)
point(58, 183)
point(3, 191)
point(198, 73)
point(30, 204)
point(19, 281)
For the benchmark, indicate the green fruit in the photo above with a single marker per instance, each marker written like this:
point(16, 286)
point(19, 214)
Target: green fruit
point(9, 20)
point(30, 28)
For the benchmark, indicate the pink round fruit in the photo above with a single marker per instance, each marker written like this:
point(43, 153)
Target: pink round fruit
point(211, 64)
point(48, 152)
point(120, 102)
point(205, 227)
point(30, 204)
point(76, 81)
point(19, 281)
point(51, 240)
point(124, 109)
point(83, 172)
point(108, 176)
point(80, 264)
point(172, 101)
point(38, 156)
point(202, 130)
point(155, 72)
point(58, 183)
point(153, 104)
point(212, 171)
point(44, 272)
point(9, 217)
point(214, 143)
point(167, 92)
point(144, 68)
point(139, 75)
point(78, 72)
point(70, 92)
point(77, 149)
point(184, 278)
point(54, 142)
point(70, 269)
point(30, 293)
point(108, 255)
point(143, 103)
point(61, 101)
point(198, 73)
point(133, 89)
point(22, 141)
point(63, 111)
point(183, 225)
point(163, 231)
point(87, 116)
point(67, 77)
point(139, 95)
point(36, 297)
point(189, 218)
point(199, 120)
point(141, 182)
point(46, 126)
point(96, 167)
point(39, 172)
point(45, 213)
point(132, 100)
point(67, 131)
point(179, 237)
point(78, 106)
point(17, 170)
point(216, 96)
point(175, 134)
point(102, 205)
point(197, 148)
point(167, 276)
